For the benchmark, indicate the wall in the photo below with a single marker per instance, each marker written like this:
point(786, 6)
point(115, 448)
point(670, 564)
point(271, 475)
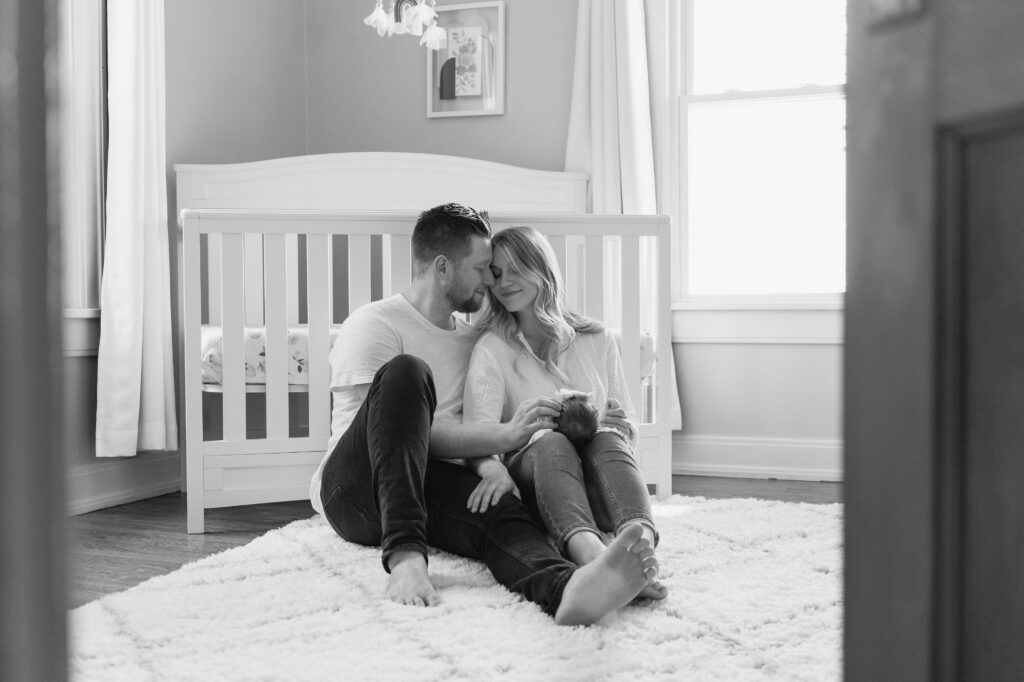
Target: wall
point(760, 386)
point(368, 93)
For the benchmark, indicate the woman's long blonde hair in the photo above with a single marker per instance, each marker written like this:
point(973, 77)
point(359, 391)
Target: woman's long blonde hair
point(530, 253)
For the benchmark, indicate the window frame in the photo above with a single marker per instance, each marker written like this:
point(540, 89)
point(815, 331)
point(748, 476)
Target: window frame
point(680, 46)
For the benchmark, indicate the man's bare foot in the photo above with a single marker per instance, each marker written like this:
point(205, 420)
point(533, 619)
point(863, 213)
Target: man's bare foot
point(408, 582)
point(608, 582)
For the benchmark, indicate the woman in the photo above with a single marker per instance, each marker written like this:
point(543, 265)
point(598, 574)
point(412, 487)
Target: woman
point(532, 346)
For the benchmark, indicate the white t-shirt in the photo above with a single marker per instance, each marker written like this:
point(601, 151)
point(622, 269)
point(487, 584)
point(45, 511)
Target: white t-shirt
point(502, 376)
point(371, 336)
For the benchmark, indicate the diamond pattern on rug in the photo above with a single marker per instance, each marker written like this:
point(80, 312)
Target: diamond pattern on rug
point(754, 594)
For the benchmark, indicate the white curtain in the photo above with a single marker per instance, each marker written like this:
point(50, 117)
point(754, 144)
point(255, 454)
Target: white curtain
point(610, 134)
point(135, 384)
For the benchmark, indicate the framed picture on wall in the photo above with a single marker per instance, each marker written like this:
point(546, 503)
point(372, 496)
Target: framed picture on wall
point(466, 77)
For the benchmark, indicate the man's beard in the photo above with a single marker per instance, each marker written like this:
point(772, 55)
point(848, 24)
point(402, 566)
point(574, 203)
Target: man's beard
point(464, 305)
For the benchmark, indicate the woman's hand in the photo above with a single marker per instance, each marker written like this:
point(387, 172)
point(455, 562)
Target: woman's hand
point(494, 482)
point(531, 416)
point(615, 417)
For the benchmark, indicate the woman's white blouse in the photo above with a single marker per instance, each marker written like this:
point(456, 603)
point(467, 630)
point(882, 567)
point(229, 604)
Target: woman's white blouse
point(501, 376)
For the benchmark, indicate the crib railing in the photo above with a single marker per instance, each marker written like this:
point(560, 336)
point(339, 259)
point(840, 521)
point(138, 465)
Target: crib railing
point(274, 269)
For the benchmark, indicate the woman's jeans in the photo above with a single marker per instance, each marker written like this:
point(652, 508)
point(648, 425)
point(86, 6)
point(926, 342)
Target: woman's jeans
point(598, 489)
point(380, 488)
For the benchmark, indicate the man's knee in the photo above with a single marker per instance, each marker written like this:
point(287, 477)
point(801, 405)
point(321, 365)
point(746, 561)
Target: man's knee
point(409, 373)
point(406, 367)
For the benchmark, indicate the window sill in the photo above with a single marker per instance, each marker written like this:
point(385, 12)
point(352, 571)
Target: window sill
point(81, 332)
point(80, 313)
point(755, 302)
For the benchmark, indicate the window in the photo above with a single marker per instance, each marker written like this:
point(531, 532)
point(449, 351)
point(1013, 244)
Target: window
point(762, 127)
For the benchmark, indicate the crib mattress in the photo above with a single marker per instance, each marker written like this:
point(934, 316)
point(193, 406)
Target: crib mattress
point(255, 354)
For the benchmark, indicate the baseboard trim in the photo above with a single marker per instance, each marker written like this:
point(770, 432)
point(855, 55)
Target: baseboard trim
point(785, 459)
point(108, 483)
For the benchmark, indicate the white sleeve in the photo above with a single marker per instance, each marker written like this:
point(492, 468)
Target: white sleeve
point(364, 343)
point(616, 381)
point(483, 399)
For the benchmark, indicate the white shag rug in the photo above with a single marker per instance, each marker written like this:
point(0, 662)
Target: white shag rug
point(755, 594)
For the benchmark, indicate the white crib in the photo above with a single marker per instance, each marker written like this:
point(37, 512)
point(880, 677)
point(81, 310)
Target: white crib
point(283, 249)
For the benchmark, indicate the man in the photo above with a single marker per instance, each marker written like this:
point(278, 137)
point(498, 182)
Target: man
point(393, 474)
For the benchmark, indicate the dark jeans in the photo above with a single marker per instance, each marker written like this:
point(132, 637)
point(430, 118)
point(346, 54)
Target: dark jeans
point(380, 488)
point(599, 488)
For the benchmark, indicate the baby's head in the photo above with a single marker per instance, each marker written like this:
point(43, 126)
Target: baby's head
point(578, 420)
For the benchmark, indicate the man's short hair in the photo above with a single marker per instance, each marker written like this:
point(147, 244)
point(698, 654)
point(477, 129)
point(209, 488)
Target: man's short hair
point(447, 230)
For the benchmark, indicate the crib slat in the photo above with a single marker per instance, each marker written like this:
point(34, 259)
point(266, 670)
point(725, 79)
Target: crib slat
point(213, 277)
point(358, 271)
point(291, 249)
point(593, 304)
point(233, 307)
point(318, 297)
point(573, 272)
point(557, 242)
point(398, 263)
point(276, 277)
point(630, 292)
point(254, 280)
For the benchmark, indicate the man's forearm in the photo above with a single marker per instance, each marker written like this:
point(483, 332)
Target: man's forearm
point(455, 440)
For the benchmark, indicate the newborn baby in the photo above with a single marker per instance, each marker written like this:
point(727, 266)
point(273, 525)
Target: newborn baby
point(578, 421)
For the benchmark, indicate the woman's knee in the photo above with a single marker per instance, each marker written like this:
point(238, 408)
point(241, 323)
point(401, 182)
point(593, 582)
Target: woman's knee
point(554, 444)
point(554, 450)
point(608, 447)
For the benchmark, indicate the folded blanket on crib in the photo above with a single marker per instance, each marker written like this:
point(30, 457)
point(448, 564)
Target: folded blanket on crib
point(255, 353)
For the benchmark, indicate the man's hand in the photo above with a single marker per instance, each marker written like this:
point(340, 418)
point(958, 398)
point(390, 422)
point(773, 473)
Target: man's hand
point(494, 482)
point(531, 416)
point(615, 417)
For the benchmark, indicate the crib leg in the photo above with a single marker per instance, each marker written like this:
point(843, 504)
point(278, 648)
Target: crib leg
point(195, 504)
point(194, 513)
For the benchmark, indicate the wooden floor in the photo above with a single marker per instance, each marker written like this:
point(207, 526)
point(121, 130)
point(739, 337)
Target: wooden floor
point(113, 549)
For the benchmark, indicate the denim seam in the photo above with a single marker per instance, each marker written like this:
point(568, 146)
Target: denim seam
point(566, 535)
point(362, 509)
point(609, 492)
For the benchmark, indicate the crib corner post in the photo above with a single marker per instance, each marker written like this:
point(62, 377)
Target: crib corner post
point(195, 521)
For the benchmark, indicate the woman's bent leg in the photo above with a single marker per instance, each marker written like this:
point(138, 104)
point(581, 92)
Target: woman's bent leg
point(615, 486)
point(550, 476)
point(372, 486)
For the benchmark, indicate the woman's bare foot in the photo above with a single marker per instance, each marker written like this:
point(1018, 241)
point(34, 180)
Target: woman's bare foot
point(655, 589)
point(608, 582)
point(585, 546)
point(408, 582)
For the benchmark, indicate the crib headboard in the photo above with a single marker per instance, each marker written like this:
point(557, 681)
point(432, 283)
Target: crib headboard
point(261, 241)
point(379, 181)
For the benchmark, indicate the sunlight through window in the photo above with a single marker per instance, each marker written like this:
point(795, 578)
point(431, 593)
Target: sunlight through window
point(764, 116)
